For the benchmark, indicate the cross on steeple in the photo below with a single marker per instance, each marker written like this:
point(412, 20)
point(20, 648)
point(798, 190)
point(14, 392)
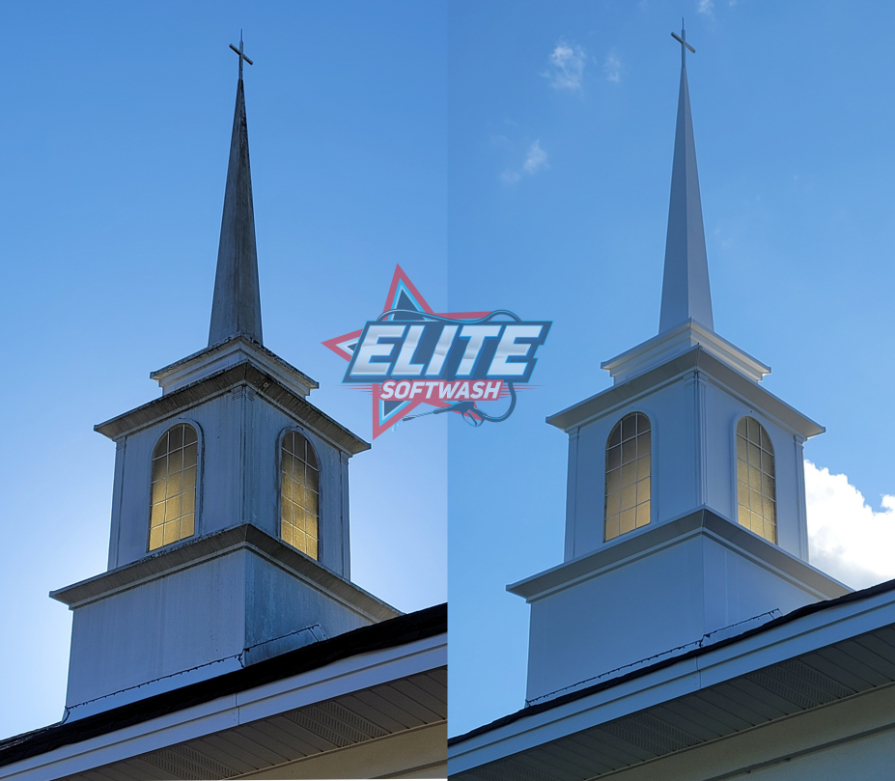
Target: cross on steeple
point(685, 285)
point(681, 39)
point(243, 57)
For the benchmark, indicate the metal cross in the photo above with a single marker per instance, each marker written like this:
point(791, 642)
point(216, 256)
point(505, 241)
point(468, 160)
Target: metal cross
point(243, 57)
point(682, 40)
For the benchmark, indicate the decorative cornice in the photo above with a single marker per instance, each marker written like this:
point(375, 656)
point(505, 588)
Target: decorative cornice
point(225, 354)
point(676, 341)
point(239, 538)
point(675, 367)
point(244, 373)
point(703, 522)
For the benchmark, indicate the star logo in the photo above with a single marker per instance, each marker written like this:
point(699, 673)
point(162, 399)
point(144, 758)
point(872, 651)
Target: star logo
point(468, 356)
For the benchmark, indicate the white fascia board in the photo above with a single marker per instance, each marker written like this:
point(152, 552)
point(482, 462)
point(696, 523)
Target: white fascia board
point(569, 718)
point(729, 661)
point(342, 677)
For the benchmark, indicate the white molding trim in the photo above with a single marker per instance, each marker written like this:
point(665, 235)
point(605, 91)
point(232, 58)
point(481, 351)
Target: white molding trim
point(339, 678)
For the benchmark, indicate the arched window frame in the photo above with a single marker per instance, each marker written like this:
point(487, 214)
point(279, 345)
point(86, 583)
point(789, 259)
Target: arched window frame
point(153, 497)
point(617, 490)
point(281, 498)
point(750, 479)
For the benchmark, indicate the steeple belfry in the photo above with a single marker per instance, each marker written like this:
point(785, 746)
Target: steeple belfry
point(686, 294)
point(236, 308)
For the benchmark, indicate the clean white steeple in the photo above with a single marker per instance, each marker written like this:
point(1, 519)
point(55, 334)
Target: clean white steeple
point(685, 287)
point(685, 515)
point(685, 320)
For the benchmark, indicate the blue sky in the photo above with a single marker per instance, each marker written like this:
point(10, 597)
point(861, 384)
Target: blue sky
point(508, 155)
point(561, 127)
point(114, 156)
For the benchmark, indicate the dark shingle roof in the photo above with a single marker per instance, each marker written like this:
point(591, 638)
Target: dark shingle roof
point(386, 634)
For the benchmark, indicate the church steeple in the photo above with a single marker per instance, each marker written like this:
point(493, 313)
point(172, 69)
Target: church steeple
point(236, 308)
point(685, 319)
point(230, 532)
point(686, 500)
point(685, 287)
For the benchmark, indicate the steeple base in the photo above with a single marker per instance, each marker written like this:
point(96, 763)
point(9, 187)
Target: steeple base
point(655, 593)
point(199, 609)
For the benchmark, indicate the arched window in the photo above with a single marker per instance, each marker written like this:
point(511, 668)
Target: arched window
point(756, 488)
point(628, 450)
point(299, 493)
point(172, 515)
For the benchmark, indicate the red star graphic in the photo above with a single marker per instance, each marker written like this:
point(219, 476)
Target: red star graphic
point(402, 294)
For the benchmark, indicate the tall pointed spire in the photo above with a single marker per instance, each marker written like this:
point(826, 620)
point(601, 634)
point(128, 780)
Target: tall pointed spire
point(236, 309)
point(686, 294)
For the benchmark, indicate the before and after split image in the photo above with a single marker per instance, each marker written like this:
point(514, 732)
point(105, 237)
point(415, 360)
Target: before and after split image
point(388, 390)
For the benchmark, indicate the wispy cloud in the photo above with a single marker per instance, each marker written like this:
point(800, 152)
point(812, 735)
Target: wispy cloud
point(535, 160)
point(566, 68)
point(706, 7)
point(613, 68)
point(846, 537)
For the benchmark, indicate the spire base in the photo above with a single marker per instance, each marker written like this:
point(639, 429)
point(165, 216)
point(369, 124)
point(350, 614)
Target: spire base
point(669, 344)
point(226, 354)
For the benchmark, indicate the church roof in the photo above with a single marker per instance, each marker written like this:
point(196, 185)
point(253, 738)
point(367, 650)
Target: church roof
point(815, 655)
point(413, 627)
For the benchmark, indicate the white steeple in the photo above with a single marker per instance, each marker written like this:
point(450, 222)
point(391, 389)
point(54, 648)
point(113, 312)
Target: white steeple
point(685, 287)
point(685, 513)
point(685, 319)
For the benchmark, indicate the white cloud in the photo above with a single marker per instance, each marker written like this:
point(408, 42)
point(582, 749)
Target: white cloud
point(613, 68)
point(535, 160)
point(566, 66)
point(705, 7)
point(846, 537)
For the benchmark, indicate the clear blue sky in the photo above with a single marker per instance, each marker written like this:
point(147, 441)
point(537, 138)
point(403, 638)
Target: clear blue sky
point(794, 121)
point(440, 136)
point(114, 153)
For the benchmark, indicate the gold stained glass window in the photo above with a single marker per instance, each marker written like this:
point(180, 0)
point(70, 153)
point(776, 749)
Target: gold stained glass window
point(299, 494)
point(172, 515)
point(628, 475)
point(756, 485)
